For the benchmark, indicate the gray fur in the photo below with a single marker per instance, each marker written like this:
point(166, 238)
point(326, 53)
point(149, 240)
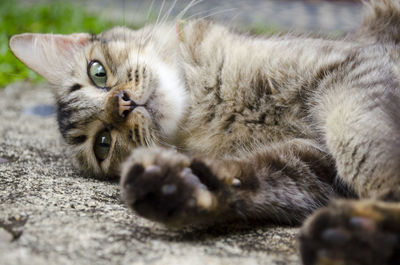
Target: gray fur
point(284, 115)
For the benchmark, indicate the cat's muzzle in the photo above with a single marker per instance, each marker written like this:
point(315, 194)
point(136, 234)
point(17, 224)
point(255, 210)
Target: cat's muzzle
point(125, 104)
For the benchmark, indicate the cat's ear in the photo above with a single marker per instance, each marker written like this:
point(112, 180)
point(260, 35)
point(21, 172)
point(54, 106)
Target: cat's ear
point(49, 55)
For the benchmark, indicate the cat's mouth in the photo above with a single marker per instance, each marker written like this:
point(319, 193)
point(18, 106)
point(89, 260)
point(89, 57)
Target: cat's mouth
point(148, 104)
point(151, 104)
point(150, 109)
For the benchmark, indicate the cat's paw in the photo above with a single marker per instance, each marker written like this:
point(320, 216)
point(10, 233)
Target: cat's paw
point(352, 232)
point(169, 187)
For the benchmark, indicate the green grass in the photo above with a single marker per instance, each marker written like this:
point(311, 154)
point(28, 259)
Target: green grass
point(261, 29)
point(53, 17)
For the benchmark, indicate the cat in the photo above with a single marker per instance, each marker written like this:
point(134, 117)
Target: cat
point(205, 125)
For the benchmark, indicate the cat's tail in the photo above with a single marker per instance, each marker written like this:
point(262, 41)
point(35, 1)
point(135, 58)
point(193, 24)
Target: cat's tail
point(381, 21)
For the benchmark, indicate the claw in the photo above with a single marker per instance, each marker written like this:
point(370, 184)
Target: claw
point(204, 199)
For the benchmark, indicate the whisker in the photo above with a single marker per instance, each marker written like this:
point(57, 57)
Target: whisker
point(125, 38)
point(184, 11)
point(201, 12)
point(166, 16)
point(141, 42)
point(215, 13)
point(159, 141)
point(159, 13)
point(156, 24)
point(149, 12)
point(123, 13)
point(190, 5)
point(180, 15)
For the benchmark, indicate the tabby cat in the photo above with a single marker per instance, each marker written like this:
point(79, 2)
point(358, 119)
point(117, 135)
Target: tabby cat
point(205, 125)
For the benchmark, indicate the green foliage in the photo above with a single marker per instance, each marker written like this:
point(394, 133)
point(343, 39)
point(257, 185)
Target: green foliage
point(262, 29)
point(52, 17)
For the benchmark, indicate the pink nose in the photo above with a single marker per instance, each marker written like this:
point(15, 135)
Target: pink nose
point(125, 104)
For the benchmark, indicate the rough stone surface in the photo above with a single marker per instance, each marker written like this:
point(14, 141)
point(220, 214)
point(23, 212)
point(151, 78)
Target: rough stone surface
point(49, 214)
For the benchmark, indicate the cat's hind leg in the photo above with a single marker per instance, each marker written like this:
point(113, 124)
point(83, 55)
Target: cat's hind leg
point(361, 130)
point(365, 232)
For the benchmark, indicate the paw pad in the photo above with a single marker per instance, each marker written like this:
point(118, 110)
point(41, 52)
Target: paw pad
point(169, 189)
point(336, 236)
point(365, 224)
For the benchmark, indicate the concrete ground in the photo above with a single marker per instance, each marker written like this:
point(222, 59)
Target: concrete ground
point(49, 214)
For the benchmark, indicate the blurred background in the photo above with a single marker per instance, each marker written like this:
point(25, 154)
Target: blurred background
point(255, 16)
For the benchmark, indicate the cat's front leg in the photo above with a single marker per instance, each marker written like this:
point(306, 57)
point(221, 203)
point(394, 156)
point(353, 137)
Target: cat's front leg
point(169, 187)
point(282, 183)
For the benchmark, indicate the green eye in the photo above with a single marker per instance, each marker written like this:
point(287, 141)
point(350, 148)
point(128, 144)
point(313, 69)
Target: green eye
point(97, 74)
point(102, 145)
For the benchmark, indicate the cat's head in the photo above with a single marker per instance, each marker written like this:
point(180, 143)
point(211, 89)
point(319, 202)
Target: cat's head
point(113, 92)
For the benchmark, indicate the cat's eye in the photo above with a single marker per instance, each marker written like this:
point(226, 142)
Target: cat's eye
point(102, 145)
point(97, 73)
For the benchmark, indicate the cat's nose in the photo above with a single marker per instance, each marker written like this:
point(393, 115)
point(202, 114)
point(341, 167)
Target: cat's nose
point(125, 104)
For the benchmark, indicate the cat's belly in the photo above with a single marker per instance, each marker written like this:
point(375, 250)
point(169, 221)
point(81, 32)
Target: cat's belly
point(245, 92)
point(227, 128)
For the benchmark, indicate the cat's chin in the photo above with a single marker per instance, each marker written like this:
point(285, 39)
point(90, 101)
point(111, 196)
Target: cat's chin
point(151, 105)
